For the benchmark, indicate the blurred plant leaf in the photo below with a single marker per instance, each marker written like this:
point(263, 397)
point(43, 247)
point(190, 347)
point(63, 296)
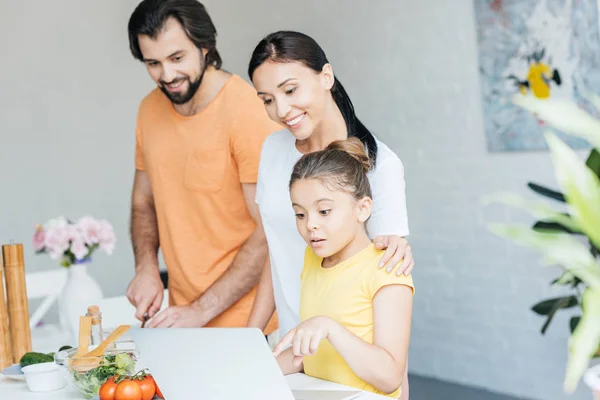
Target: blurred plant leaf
point(538, 210)
point(580, 186)
point(573, 323)
point(594, 250)
point(580, 189)
point(567, 278)
point(564, 115)
point(584, 341)
point(550, 306)
point(553, 194)
point(542, 226)
point(557, 248)
point(593, 162)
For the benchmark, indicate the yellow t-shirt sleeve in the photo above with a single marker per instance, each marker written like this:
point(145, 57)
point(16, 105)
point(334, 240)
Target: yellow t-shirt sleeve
point(310, 258)
point(381, 278)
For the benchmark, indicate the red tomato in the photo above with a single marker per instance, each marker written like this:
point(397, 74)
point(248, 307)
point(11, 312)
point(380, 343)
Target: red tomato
point(128, 390)
point(107, 390)
point(148, 387)
point(158, 392)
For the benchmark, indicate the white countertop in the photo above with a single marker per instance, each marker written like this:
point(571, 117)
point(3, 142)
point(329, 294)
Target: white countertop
point(48, 338)
point(17, 390)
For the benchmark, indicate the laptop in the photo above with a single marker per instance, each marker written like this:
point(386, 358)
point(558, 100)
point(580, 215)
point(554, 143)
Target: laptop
point(218, 363)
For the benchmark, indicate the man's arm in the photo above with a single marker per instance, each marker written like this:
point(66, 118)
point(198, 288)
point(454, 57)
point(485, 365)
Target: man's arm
point(243, 273)
point(145, 291)
point(144, 226)
point(264, 302)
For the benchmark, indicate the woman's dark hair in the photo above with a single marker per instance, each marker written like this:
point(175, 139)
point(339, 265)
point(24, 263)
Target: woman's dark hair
point(288, 46)
point(342, 165)
point(150, 16)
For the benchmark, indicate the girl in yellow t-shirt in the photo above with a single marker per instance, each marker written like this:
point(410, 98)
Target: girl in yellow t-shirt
point(356, 318)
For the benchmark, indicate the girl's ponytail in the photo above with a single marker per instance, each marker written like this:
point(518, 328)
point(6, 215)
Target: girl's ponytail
point(343, 165)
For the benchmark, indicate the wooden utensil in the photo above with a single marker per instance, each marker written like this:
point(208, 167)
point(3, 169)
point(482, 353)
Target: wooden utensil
point(6, 358)
point(85, 330)
point(99, 351)
point(17, 303)
point(92, 359)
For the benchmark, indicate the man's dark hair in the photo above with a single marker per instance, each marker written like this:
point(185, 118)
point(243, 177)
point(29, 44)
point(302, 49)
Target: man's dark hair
point(150, 16)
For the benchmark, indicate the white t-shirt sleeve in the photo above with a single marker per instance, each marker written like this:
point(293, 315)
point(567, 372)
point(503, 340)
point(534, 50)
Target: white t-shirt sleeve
point(260, 182)
point(389, 216)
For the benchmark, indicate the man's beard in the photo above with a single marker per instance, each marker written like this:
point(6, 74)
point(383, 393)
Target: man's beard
point(184, 97)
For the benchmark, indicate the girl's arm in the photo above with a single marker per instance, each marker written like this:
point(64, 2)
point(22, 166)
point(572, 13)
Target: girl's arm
point(383, 363)
point(288, 363)
point(264, 302)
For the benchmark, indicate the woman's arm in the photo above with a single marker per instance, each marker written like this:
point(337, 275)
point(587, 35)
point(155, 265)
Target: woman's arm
point(396, 249)
point(383, 363)
point(389, 218)
point(264, 302)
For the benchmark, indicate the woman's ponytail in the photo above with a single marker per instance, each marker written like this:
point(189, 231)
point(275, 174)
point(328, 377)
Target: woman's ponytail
point(355, 127)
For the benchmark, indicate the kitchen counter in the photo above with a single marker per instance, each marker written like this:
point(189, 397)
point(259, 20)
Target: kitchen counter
point(48, 338)
point(17, 390)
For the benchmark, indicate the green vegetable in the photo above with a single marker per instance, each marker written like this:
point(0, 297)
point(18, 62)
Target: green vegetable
point(35, 358)
point(61, 349)
point(88, 383)
point(38, 358)
point(124, 361)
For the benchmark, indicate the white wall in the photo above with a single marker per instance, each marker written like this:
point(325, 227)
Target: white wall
point(69, 93)
point(70, 90)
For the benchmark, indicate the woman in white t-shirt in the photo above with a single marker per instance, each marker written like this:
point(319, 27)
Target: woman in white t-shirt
point(294, 79)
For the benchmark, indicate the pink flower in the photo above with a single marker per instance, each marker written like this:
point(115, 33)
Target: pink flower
point(79, 249)
point(89, 227)
point(39, 238)
point(106, 236)
point(59, 236)
point(57, 241)
point(73, 233)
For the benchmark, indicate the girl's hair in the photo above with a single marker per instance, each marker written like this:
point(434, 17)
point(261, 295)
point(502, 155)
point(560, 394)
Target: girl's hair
point(342, 165)
point(288, 46)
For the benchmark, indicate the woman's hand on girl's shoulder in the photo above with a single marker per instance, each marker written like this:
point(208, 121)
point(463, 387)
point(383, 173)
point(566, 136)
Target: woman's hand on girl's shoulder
point(305, 338)
point(396, 249)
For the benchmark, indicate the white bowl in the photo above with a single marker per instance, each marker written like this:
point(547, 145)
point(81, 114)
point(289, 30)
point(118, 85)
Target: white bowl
point(44, 377)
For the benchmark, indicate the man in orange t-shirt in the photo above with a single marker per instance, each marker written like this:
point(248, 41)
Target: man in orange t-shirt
point(198, 141)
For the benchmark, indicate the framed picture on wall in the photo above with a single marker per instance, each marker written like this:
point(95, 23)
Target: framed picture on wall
point(545, 48)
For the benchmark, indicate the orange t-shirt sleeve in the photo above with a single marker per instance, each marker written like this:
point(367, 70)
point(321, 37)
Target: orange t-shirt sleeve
point(139, 153)
point(249, 130)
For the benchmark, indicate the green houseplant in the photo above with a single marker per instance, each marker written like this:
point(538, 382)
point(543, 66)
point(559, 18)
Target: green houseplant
point(568, 231)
